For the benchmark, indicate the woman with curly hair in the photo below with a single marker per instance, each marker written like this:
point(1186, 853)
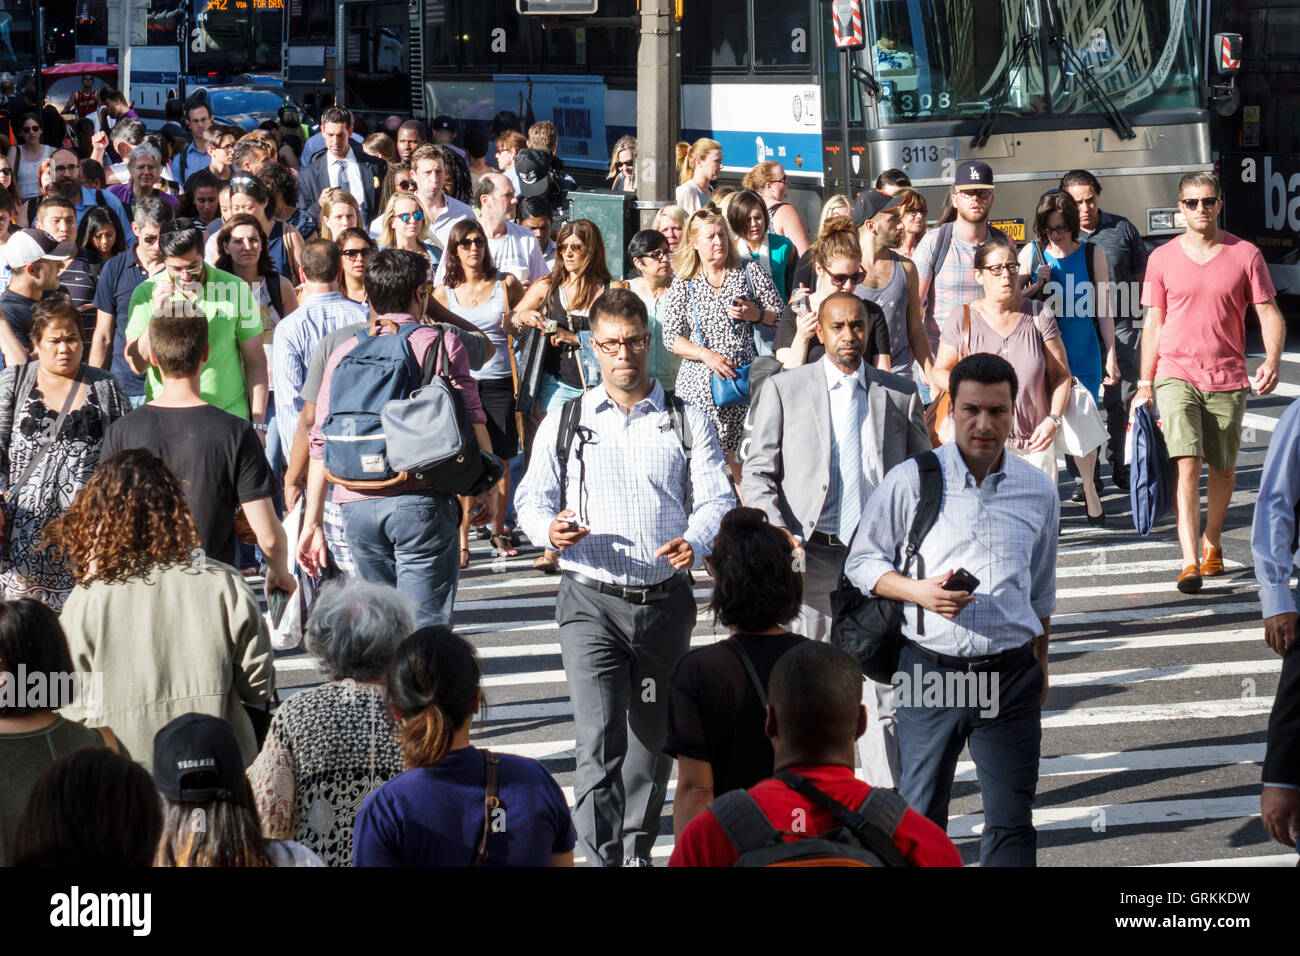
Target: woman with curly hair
point(53, 415)
point(170, 632)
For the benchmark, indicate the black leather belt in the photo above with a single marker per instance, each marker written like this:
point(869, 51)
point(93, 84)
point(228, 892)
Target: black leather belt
point(633, 595)
point(989, 662)
point(827, 540)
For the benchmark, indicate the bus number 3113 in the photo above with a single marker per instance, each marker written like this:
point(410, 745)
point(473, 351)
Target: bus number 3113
point(925, 153)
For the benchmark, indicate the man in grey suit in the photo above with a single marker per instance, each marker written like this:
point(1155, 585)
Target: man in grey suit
point(823, 437)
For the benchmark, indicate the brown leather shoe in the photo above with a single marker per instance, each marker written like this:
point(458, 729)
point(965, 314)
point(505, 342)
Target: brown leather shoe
point(1211, 560)
point(1189, 582)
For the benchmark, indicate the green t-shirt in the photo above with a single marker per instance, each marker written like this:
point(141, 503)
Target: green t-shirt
point(233, 317)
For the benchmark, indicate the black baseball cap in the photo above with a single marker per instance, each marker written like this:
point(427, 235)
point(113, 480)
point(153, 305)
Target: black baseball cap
point(196, 758)
point(974, 174)
point(871, 203)
point(533, 167)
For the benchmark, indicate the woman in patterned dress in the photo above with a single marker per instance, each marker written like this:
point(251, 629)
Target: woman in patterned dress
point(709, 317)
point(31, 396)
point(330, 746)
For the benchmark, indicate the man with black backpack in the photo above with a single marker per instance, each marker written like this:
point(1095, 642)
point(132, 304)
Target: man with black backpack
point(977, 590)
point(401, 529)
point(813, 811)
point(629, 484)
point(945, 258)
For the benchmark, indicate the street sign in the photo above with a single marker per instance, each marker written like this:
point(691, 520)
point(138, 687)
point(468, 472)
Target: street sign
point(847, 18)
point(557, 8)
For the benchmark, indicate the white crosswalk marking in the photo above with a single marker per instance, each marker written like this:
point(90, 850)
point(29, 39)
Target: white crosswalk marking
point(1153, 731)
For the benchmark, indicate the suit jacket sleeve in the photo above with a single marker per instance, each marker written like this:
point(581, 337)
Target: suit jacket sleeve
point(918, 436)
point(1282, 758)
point(309, 188)
point(760, 481)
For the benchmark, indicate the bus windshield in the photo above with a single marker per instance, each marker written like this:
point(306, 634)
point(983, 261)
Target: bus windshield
point(942, 61)
point(17, 36)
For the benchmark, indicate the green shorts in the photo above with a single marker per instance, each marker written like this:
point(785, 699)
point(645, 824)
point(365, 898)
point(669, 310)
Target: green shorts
point(1201, 424)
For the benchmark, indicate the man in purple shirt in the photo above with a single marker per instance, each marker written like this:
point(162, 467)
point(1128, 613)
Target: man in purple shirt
point(405, 535)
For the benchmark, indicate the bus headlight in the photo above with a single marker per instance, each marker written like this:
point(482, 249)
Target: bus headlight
point(1160, 220)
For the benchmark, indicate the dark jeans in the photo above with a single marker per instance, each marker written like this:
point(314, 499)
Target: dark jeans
point(1116, 398)
point(409, 541)
point(1005, 749)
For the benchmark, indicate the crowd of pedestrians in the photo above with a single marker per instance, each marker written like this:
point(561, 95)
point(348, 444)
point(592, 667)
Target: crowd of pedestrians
point(354, 336)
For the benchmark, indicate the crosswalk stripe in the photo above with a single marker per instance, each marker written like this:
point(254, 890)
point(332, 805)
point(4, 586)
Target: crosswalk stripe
point(1281, 859)
point(1134, 713)
point(1261, 423)
point(1075, 717)
point(1140, 675)
point(1102, 569)
point(1088, 645)
point(1122, 814)
point(1211, 587)
point(1126, 761)
point(1136, 615)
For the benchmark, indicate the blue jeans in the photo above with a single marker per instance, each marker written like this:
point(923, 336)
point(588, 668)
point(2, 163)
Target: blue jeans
point(409, 541)
point(922, 390)
point(1005, 748)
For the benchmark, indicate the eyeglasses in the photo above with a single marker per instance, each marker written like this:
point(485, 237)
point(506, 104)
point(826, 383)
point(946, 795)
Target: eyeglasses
point(31, 129)
point(638, 344)
point(706, 211)
point(659, 255)
point(1057, 230)
point(148, 240)
point(784, 180)
point(225, 147)
point(70, 168)
point(356, 253)
point(406, 185)
point(1208, 202)
point(626, 165)
point(192, 274)
point(841, 278)
point(478, 242)
point(976, 195)
point(407, 217)
point(576, 248)
point(1010, 268)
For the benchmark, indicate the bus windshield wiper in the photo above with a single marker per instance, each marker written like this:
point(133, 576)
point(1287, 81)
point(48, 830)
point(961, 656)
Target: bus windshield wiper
point(997, 103)
point(1068, 59)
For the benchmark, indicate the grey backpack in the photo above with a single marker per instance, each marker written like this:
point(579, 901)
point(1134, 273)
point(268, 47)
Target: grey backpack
point(429, 435)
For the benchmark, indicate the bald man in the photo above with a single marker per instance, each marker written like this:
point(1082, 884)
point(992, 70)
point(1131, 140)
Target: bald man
point(514, 248)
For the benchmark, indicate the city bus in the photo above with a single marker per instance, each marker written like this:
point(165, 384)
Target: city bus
point(1034, 87)
point(20, 47)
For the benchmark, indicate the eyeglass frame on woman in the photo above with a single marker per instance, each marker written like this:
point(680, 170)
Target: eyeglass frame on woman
point(472, 242)
point(31, 129)
point(658, 255)
point(627, 165)
point(708, 210)
point(577, 248)
point(417, 215)
point(784, 181)
point(839, 278)
point(638, 344)
point(360, 251)
point(998, 268)
point(404, 185)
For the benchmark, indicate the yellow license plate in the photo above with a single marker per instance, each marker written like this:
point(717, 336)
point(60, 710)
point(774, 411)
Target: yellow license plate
point(1014, 228)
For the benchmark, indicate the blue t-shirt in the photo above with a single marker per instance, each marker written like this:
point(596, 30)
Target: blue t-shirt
point(120, 275)
point(433, 816)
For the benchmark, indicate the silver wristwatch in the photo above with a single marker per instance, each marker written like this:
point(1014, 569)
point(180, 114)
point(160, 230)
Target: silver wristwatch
point(1057, 419)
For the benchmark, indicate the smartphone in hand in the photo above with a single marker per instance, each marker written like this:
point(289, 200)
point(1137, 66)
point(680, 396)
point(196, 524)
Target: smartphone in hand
point(962, 580)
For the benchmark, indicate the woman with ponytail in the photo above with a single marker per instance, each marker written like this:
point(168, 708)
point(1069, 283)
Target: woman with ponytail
point(443, 811)
point(700, 168)
point(716, 711)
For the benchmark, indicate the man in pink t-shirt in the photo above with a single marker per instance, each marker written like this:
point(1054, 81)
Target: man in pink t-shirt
point(1197, 290)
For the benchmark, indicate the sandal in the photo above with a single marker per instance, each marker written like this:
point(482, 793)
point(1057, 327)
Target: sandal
point(548, 563)
point(503, 552)
point(464, 558)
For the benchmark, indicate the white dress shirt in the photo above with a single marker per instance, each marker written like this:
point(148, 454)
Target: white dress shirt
point(356, 184)
point(838, 387)
point(452, 212)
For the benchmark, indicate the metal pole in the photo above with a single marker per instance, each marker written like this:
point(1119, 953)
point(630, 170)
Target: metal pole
point(844, 119)
point(658, 103)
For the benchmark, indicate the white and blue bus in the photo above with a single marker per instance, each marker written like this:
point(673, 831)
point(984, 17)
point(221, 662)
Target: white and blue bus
point(1034, 87)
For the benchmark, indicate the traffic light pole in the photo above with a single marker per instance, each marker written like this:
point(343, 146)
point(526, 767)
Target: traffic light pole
point(844, 120)
point(658, 104)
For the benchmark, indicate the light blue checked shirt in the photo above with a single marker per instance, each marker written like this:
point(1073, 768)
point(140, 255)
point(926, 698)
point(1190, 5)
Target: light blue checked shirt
point(1003, 532)
point(1275, 516)
point(296, 338)
point(632, 496)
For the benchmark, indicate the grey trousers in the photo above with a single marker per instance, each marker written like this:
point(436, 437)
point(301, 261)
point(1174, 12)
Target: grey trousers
point(617, 659)
point(1117, 398)
point(878, 747)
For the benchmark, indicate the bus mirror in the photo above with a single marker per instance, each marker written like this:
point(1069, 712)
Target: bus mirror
point(1227, 53)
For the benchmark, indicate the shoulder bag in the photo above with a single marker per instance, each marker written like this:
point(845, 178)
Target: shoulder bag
point(726, 392)
point(938, 414)
point(9, 500)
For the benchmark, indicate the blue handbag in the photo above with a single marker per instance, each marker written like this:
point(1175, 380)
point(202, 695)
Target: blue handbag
point(726, 392)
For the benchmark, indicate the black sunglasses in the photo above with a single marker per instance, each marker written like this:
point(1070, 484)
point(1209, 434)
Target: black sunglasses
point(1209, 202)
point(356, 253)
point(627, 165)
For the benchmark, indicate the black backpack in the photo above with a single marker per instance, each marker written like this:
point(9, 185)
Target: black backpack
point(571, 415)
point(865, 836)
point(870, 629)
